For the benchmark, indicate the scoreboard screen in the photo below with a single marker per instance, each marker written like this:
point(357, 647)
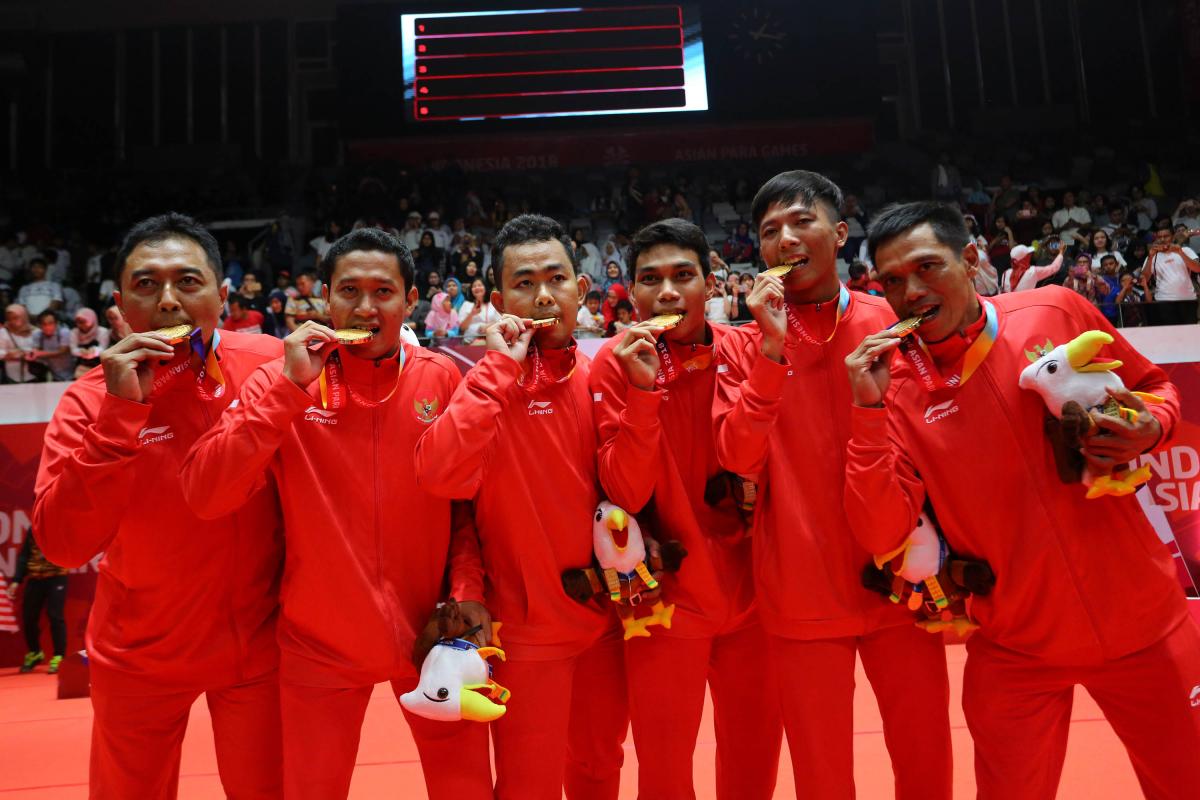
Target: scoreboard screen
point(552, 62)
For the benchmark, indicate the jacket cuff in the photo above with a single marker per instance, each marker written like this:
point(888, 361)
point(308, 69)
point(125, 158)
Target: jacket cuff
point(282, 402)
point(1165, 423)
point(641, 407)
point(767, 377)
point(868, 426)
point(119, 420)
point(495, 373)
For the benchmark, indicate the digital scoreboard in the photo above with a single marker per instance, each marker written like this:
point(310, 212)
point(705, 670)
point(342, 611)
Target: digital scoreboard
point(552, 62)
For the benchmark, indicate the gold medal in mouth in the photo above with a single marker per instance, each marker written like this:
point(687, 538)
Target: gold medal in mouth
point(544, 323)
point(778, 271)
point(665, 321)
point(176, 333)
point(353, 336)
point(908, 326)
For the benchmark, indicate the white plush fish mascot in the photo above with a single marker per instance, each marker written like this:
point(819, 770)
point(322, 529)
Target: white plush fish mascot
point(1069, 374)
point(456, 683)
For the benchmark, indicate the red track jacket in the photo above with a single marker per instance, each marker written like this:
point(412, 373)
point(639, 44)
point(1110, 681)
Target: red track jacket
point(181, 603)
point(789, 423)
point(528, 458)
point(659, 445)
point(366, 548)
point(1076, 580)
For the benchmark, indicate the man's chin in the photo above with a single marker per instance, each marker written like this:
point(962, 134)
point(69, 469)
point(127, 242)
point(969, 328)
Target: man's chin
point(554, 338)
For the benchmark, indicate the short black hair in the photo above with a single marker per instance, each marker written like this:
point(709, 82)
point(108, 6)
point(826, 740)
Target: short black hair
point(238, 300)
point(527, 229)
point(594, 295)
point(1164, 225)
point(38, 260)
point(946, 221)
point(47, 313)
point(798, 184)
point(678, 232)
point(858, 269)
point(623, 304)
point(1107, 257)
point(371, 240)
point(162, 227)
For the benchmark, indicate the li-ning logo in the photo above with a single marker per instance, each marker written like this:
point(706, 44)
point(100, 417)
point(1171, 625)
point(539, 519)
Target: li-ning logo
point(940, 411)
point(539, 408)
point(427, 410)
point(320, 416)
point(1194, 698)
point(154, 435)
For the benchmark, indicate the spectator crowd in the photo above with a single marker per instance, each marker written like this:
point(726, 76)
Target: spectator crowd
point(1125, 248)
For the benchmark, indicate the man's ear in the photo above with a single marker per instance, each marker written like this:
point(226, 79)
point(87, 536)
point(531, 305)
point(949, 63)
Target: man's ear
point(497, 301)
point(710, 285)
point(970, 257)
point(412, 297)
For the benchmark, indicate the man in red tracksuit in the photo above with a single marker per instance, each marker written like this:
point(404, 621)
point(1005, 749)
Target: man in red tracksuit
point(654, 392)
point(1085, 593)
point(183, 606)
point(781, 414)
point(518, 438)
point(331, 430)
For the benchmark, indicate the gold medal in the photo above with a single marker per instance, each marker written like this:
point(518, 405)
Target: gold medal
point(548, 322)
point(353, 336)
point(908, 326)
point(665, 321)
point(778, 271)
point(176, 333)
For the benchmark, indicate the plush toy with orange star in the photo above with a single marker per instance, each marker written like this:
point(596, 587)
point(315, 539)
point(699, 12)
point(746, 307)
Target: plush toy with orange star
point(623, 571)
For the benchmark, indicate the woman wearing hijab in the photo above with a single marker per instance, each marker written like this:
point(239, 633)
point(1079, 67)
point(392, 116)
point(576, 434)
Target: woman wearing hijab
point(613, 295)
point(275, 318)
point(442, 320)
point(88, 341)
point(612, 276)
point(453, 288)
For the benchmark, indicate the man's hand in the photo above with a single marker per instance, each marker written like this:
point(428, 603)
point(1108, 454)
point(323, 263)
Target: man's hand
point(510, 335)
point(475, 613)
point(1114, 441)
point(302, 363)
point(766, 304)
point(868, 368)
point(637, 354)
point(129, 365)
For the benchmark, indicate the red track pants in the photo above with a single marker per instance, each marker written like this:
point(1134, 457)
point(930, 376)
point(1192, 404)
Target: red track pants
point(321, 728)
point(667, 677)
point(1019, 712)
point(907, 669)
point(564, 727)
point(136, 741)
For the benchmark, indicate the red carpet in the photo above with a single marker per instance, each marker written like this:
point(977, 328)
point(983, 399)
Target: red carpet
point(44, 748)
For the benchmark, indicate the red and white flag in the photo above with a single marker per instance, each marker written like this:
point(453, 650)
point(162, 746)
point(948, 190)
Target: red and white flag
point(8, 613)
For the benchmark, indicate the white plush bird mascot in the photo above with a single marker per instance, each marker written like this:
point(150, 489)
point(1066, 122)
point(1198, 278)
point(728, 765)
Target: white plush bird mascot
point(621, 571)
point(1073, 384)
point(454, 677)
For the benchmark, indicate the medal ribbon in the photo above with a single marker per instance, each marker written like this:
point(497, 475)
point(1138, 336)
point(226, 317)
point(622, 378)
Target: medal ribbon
point(668, 372)
point(797, 327)
point(535, 375)
point(334, 389)
point(209, 366)
point(918, 355)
